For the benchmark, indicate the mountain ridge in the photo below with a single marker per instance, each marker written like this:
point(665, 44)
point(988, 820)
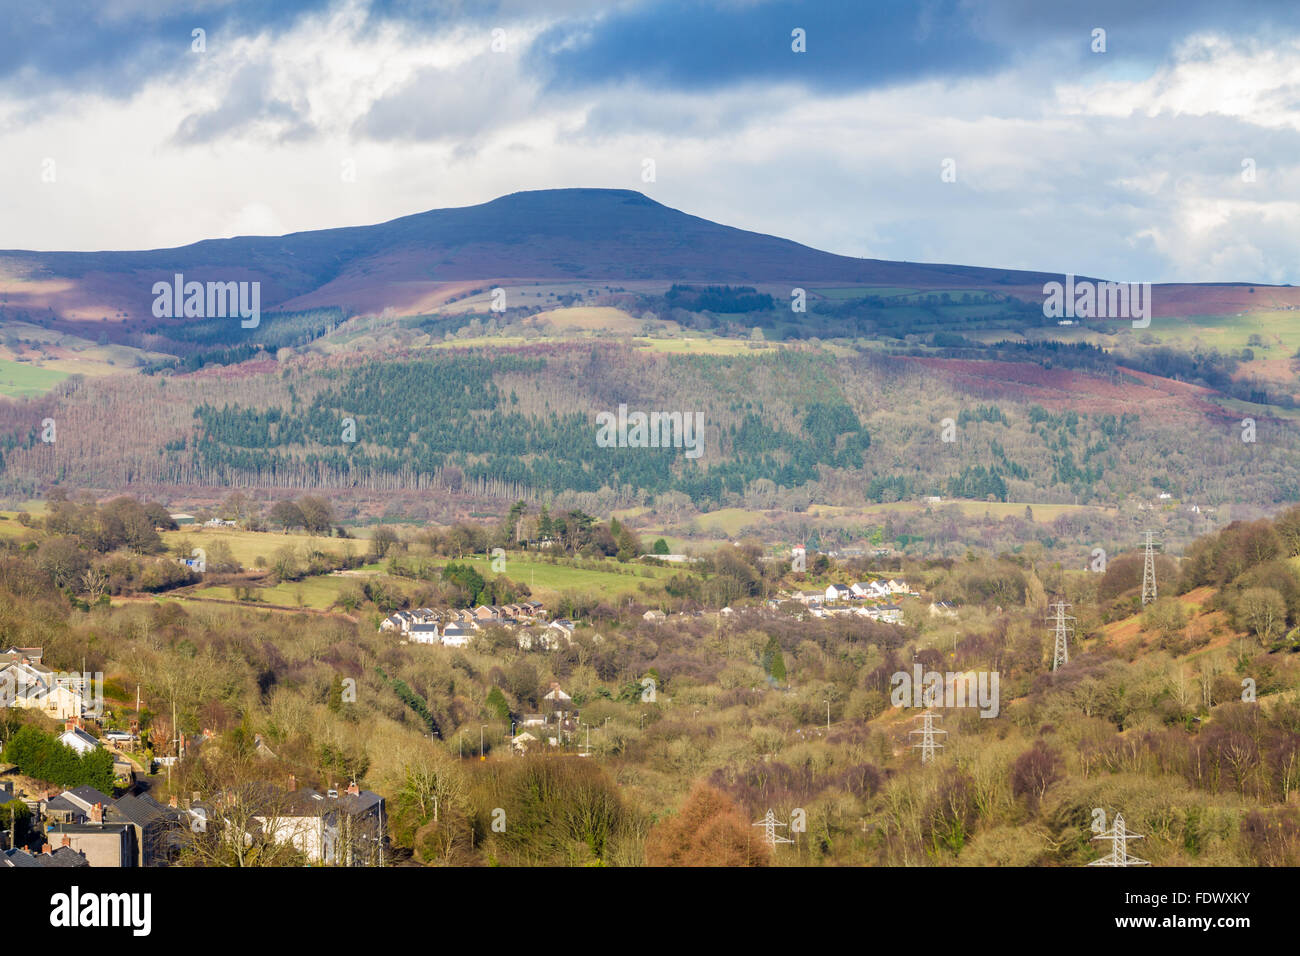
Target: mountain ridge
point(415, 262)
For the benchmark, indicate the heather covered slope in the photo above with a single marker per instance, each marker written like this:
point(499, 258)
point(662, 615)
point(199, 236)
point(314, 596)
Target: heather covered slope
point(577, 233)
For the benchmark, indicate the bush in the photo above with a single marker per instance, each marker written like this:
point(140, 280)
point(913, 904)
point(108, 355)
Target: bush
point(40, 755)
point(707, 831)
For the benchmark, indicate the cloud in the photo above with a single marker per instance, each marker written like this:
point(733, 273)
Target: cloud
point(1125, 164)
point(248, 105)
point(848, 44)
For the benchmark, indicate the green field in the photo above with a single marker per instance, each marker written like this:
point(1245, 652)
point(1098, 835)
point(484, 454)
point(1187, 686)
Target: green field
point(544, 578)
point(1279, 330)
point(21, 379)
point(727, 521)
point(317, 592)
point(247, 546)
point(9, 526)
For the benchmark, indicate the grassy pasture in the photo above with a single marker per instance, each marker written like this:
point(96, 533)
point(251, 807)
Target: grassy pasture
point(246, 546)
point(545, 579)
point(318, 592)
point(22, 379)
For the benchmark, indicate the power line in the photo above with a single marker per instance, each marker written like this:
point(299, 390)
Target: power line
point(928, 746)
point(1063, 630)
point(769, 823)
point(1118, 835)
point(1149, 569)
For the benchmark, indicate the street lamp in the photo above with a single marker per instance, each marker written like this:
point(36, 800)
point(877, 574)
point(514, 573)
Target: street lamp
point(828, 716)
point(480, 740)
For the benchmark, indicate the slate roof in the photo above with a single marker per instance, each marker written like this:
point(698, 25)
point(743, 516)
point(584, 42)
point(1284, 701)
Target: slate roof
point(78, 800)
point(81, 735)
point(141, 810)
point(64, 856)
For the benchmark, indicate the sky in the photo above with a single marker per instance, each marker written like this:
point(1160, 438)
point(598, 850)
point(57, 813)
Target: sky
point(1153, 141)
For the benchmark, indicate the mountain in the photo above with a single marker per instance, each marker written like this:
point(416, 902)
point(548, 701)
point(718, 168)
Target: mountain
point(416, 262)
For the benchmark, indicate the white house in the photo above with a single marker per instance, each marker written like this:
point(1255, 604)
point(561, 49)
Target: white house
point(337, 829)
point(838, 592)
point(454, 635)
point(78, 739)
point(423, 634)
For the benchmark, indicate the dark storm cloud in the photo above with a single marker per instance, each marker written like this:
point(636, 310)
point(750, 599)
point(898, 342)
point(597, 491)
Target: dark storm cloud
point(116, 46)
point(854, 45)
point(850, 44)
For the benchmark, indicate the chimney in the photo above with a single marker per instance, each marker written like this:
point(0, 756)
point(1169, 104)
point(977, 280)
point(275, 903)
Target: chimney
point(354, 789)
point(45, 849)
point(97, 813)
point(67, 840)
point(293, 783)
point(171, 802)
point(71, 723)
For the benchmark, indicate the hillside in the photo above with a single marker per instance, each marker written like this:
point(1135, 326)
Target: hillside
point(613, 299)
point(1180, 714)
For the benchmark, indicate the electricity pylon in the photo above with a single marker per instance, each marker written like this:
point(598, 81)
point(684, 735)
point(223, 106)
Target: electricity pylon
point(928, 746)
point(769, 823)
point(1149, 569)
point(1118, 835)
point(1063, 628)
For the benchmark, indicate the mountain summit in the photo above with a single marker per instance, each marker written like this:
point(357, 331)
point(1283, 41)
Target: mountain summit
point(561, 234)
